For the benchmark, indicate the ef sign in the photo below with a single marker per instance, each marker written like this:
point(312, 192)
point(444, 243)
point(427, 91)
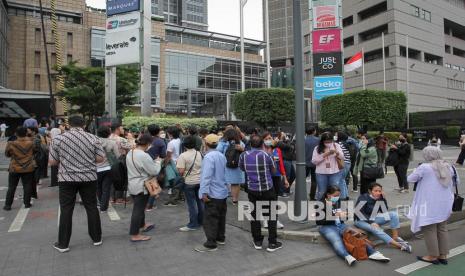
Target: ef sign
point(326, 40)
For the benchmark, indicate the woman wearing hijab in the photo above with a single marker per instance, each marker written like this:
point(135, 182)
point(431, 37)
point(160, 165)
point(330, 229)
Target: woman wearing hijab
point(432, 204)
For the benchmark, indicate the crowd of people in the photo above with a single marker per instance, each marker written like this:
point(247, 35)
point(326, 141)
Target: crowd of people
point(204, 168)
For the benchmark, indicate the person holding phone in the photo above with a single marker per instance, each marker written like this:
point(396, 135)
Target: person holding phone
point(375, 214)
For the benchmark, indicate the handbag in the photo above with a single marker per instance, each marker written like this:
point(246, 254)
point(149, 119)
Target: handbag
point(356, 241)
point(180, 182)
point(340, 162)
point(151, 184)
point(458, 200)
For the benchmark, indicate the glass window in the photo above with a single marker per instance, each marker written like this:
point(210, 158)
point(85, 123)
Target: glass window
point(37, 59)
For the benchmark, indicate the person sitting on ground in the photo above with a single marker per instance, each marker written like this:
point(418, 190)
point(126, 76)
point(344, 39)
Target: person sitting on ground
point(373, 219)
point(333, 230)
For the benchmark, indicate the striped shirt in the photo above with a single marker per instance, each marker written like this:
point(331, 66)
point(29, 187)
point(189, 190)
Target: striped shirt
point(346, 152)
point(258, 166)
point(76, 151)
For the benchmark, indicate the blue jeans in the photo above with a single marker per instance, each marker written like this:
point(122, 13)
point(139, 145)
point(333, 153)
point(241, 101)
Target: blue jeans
point(333, 234)
point(324, 181)
point(194, 206)
point(342, 182)
point(151, 202)
point(380, 220)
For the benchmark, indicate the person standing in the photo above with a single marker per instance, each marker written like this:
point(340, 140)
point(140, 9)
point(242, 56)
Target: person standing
point(156, 150)
point(435, 141)
point(141, 167)
point(54, 132)
point(3, 128)
point(22, 166)
point(432, 203)
point(461, 157)
point(213, 192)
point(259, 167)
point(402, 149)
point(173, 151)
point(326, 157)
point(123, 146)
point(343, 186)
point(311, 142)
point(77, 154)
point(367, 158)
point(31, 122)
point(381, 147)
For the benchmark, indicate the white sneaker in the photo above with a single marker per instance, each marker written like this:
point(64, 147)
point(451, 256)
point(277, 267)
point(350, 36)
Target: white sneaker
point(350, 260)
point(98, 243)
point(377, 256)
point(265, 224)
point(186, 229)
point(279, 225)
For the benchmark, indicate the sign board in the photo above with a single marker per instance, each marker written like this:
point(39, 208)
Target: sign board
point(327, 86)
point(326, 40)
point(123, 22)
point(325, 17)
point(122, 6)
point(327, 64)
point(122, 48)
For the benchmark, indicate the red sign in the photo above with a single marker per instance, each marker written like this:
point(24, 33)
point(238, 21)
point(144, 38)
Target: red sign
point(326, 40)
point(325, 17)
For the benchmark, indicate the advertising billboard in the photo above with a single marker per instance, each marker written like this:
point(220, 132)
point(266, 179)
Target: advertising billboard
point(325, 17)
point(123, 22)
point(327, 64)
point(326, 40)
point(327, 86)
point(122, 6)
point(122, 48)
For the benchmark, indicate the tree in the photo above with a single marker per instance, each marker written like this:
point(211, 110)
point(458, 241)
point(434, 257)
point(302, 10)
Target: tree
point(367, 108)
point(267, 107)
point(85, 88)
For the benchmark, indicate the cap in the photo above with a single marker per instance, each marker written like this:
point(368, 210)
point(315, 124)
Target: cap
point(212, 139)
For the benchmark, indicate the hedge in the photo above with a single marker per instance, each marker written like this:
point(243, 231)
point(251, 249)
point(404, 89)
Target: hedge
point(392, 136)
point(452, 132)
point(164, 122)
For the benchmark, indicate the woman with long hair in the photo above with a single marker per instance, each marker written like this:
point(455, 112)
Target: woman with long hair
point(367, 158)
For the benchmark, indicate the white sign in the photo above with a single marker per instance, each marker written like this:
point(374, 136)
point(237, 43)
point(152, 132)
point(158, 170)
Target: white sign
point(123, 22)
point(122, 48)
point(325, 17)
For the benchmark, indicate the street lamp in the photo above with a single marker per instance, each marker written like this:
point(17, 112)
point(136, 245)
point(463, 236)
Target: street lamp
point(242, 5)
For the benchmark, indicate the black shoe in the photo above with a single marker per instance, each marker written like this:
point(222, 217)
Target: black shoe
point(420, 258)
point(274, 246)
point(258, 245)
point(28, 206)
point(443, 261)
point(60, 248)
point(7, 208)
point(170, 204)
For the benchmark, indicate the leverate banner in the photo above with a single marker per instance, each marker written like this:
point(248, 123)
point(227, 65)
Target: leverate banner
point(122, 48)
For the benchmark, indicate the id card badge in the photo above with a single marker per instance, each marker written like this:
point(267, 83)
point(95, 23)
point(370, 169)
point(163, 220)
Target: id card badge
point(328, 165)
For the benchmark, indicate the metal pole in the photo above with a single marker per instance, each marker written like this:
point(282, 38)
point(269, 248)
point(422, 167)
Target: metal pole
point(408, 80)
point(384, 64)
point(110, 91)
point(52, 98)
point(300, 189)
point(363, 68)
point(242, 4)
point(267, 39)
point(189, 103)
point(145, 66)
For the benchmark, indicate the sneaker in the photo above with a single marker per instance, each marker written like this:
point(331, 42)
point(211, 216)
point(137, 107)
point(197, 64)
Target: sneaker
point(170, 204)
point(404, 191)
point(103, 211)
point(398, 189)
point(406, 247)
point(284, 195)
point(258, 245)
point(98, 243)
point(279, 225)
point(265, 224)
point(7, 208)
point(400, 240)
point(221, 242)
point(151, 209)
point(354, 191)
point(203, 249)
point(350, 260)
point(377, 256)
point(187, 229)
point(274, 246)
point(59, 248)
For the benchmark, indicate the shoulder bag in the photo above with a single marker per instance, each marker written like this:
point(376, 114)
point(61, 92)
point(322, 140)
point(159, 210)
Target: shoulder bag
point(458, 200)
point(340, 162)
point(181, 180)
point(375, 172)
point(151, 184)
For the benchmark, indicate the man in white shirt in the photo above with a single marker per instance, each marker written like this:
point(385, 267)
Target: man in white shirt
point(173, 150)
point(3, 128)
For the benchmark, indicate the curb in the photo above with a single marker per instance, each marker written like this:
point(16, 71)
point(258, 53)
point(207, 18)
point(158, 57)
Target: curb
point(315, 237)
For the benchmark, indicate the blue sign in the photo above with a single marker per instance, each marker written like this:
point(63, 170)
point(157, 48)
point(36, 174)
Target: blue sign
point(122, 6)
point(327, 86)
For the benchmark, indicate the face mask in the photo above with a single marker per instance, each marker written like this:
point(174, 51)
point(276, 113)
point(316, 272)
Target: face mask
point(268, 143)
point(328, 144)
point(335, 138)
point(402, 140)
point(334, 199)
point(163, 136)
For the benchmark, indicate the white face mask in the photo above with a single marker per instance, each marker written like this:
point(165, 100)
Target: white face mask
point(162, 135)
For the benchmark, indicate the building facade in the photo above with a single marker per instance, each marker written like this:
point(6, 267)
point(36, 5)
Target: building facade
point(192, 71)
point(3, 43)
point(186, 13)
point(436, 40)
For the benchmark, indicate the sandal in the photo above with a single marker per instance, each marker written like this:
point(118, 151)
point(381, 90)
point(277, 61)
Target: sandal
point(148, 228)
point(420, 258)
point(144, 238)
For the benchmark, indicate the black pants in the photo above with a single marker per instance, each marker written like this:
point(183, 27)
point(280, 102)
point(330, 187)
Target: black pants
point(461, 156)
point(214, 222)
point(67, 195)
point(104, 182)
point(365, 184)
point(53, 176)
point(255, 224)
point(35, 181)
point(311, 171)
point(278, 185)
point(138, 213)
point(401, 173)
point(354, 177)
point(13, 180)
point(44, 167)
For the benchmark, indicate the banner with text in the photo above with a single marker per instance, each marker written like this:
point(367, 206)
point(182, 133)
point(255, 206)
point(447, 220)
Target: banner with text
point(122, 48)
point(122, 6)
point(325, 17)
point(327, 64)
point(326, 40)
point(327, 86)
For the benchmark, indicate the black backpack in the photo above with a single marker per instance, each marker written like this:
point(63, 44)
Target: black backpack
point(232, 156)
point(119, 173)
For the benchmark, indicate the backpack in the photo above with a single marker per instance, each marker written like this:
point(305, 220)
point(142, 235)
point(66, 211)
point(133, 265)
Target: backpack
point(356, 244)
point(119, 173)
point(232, 156)
point(352, 148)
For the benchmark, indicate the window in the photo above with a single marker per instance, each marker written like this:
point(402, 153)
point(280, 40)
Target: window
point(348, 21)
point(37, 82)
point(412, 53)
point(433, 59)
point(70, 40)
point(426, 15)
point(421, 13)
point(447, 65)
point(348, 41)
point(37, 36)
point(307, 40)
point(375, 10)
point(53, 60)
point(415, 11)
point(448, 49)
point(373, 33)
point(37, 59)
point(69, 58)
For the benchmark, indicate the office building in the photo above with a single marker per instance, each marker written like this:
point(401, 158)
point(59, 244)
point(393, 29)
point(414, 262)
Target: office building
point(186, 13)
point(3, 43)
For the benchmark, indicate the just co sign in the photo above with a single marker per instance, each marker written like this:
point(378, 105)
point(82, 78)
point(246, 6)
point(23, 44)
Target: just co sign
point(327, 64)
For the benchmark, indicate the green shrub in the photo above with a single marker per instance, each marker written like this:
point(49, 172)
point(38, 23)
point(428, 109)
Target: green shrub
point(163, 122)
point(392, 136)
point(452, 132)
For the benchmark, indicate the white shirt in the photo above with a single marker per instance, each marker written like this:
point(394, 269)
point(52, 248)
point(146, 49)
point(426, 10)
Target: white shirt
point(174, 147)
point(3, 127)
